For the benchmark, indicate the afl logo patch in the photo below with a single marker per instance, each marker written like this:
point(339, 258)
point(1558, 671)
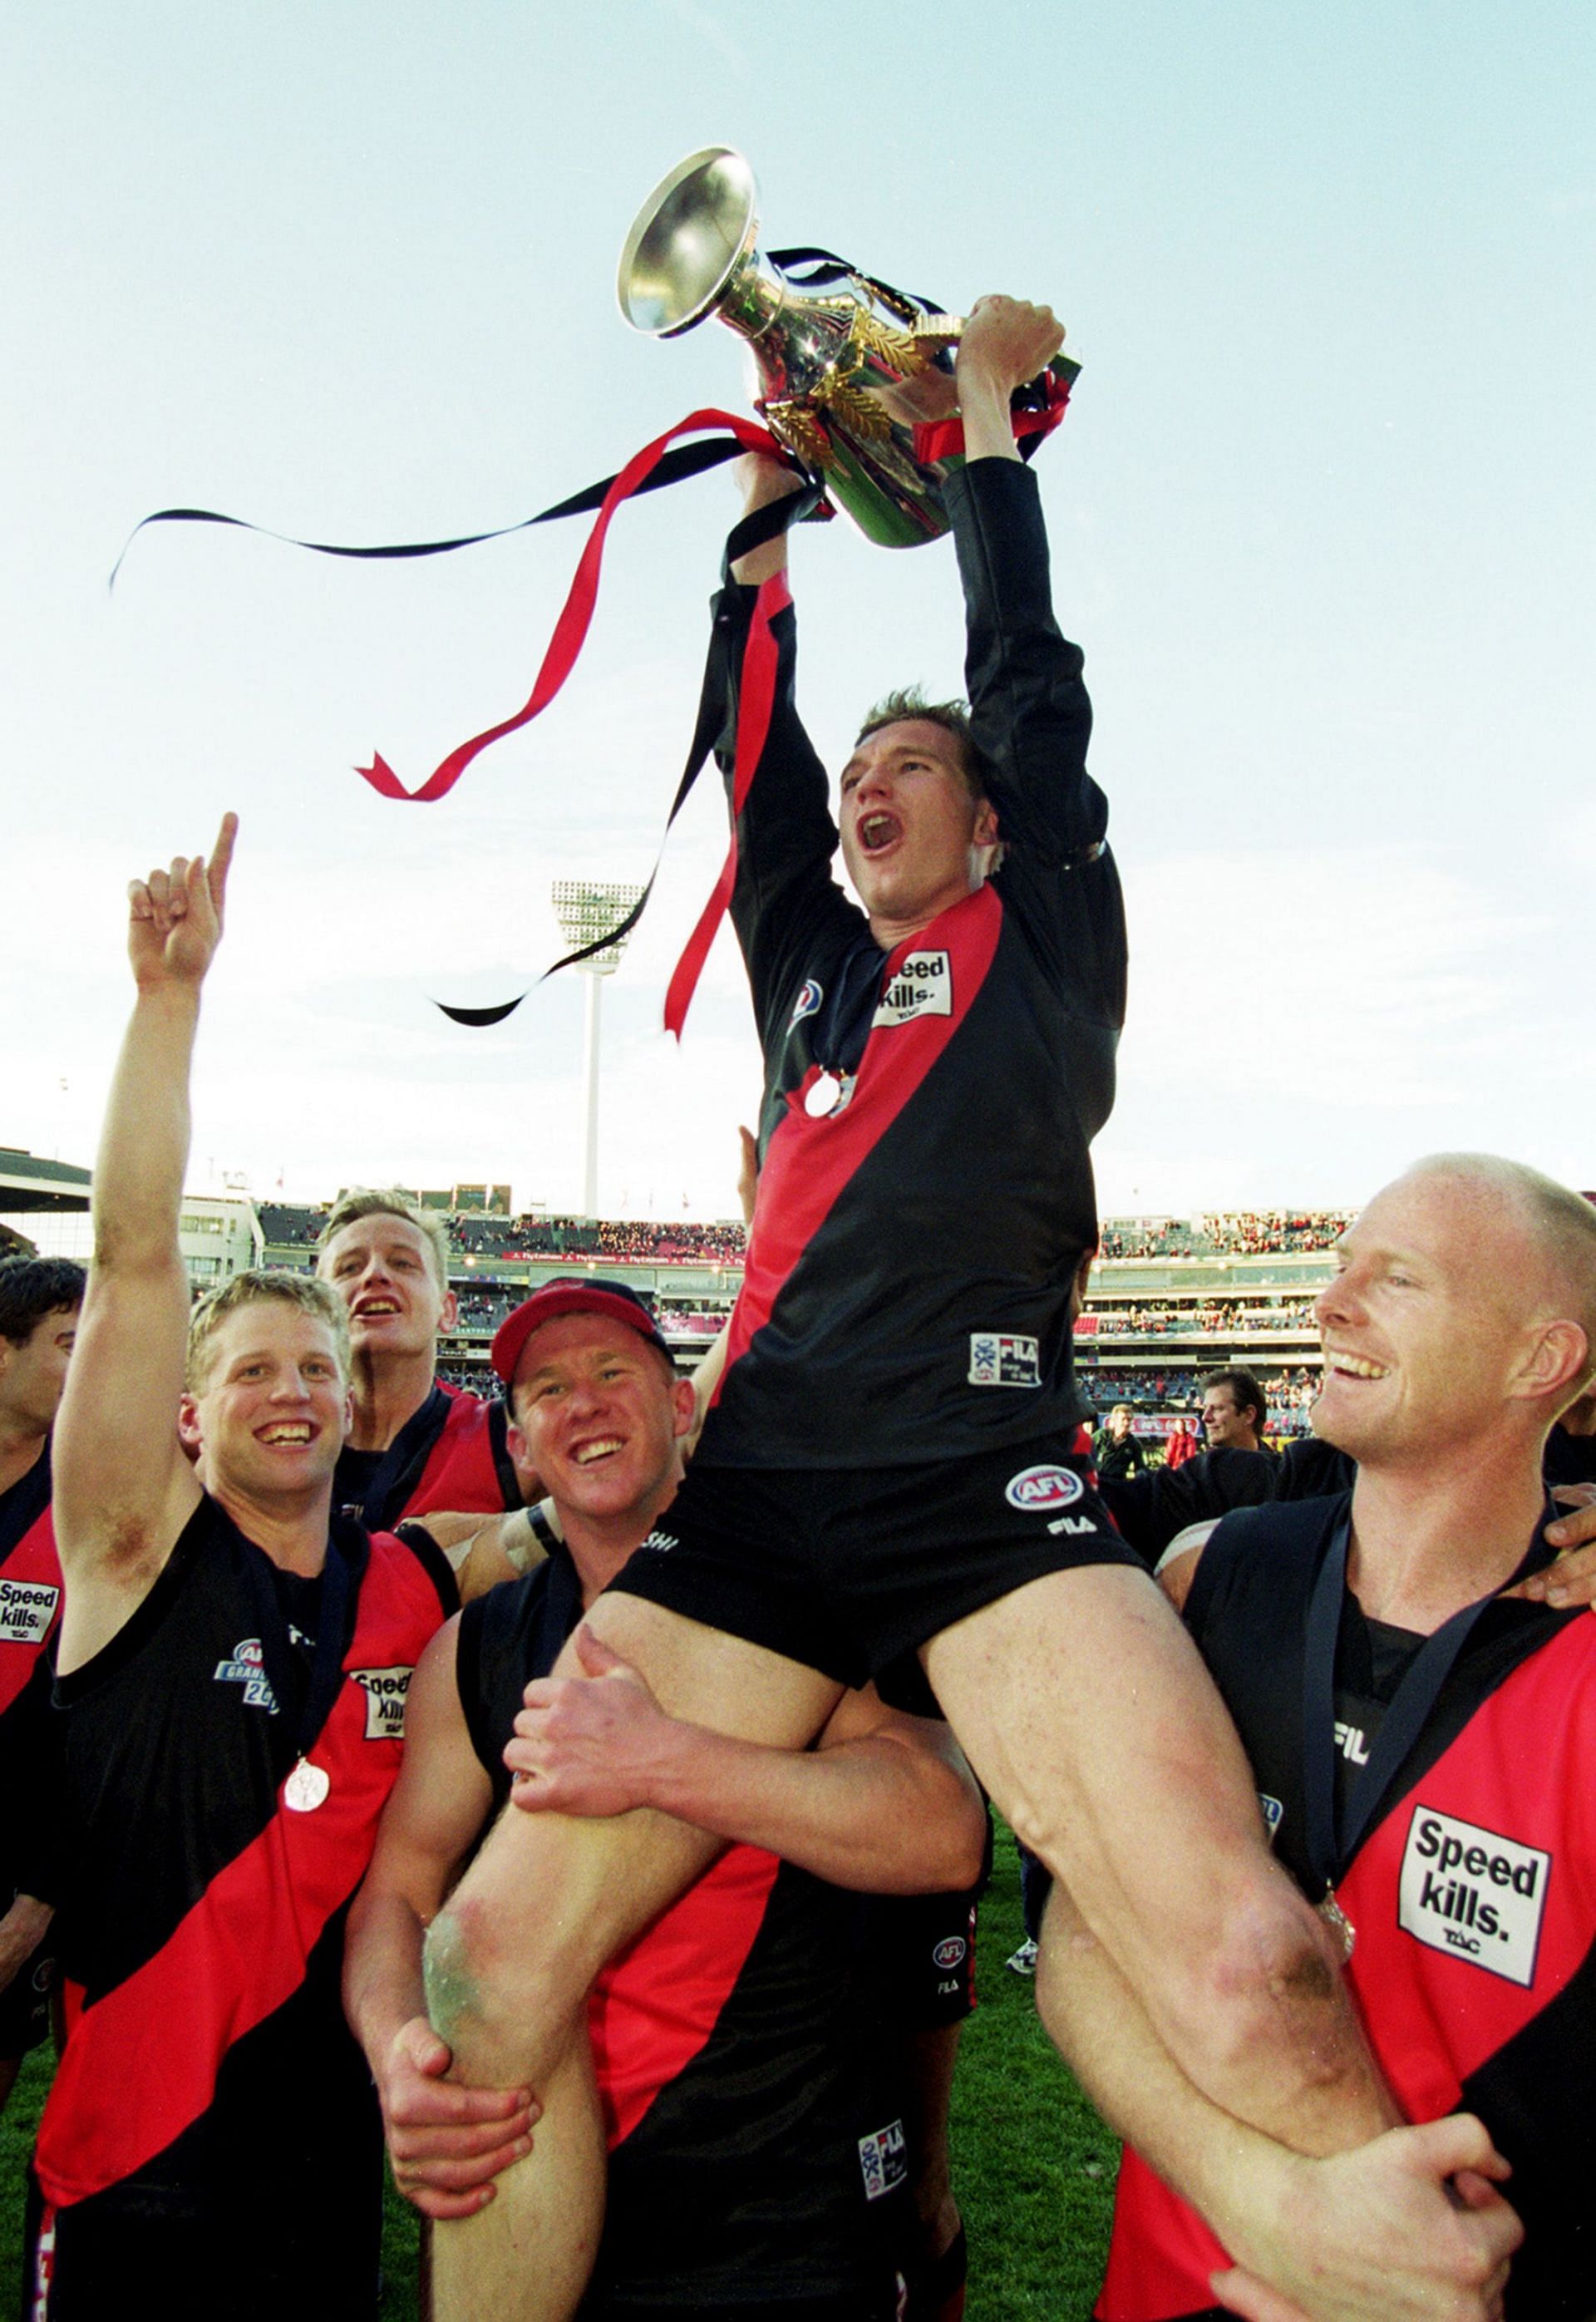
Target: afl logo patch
point(949, 1952)
point(808, 1002)
point(1035, 1491)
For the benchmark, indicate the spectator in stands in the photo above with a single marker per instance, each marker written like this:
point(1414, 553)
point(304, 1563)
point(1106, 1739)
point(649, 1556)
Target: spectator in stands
point(1116, 1448)
point(414, 1444)
point(1234, 1410)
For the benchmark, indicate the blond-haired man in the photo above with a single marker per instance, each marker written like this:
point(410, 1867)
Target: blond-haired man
point(233, 1667)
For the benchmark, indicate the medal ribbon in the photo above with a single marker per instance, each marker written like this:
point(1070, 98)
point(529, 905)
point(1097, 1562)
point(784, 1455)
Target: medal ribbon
point(348, 1552)
point(1331, 1840)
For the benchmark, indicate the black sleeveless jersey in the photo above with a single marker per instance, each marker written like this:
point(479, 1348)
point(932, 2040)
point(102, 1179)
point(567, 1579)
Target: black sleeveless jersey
point(209, 2083)
point(753, 2160)
point(1473, 1894)
point(452, 1453)
point(908, 1286)
point(29, 1611)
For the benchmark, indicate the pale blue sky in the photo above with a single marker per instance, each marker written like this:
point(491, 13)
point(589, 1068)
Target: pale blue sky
point(1321, 515)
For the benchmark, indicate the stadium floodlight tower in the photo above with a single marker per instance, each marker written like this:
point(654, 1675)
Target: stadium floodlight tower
point(587, 910)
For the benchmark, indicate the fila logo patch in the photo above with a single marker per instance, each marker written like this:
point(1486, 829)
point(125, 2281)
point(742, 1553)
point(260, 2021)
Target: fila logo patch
point(1473, 1892)
point(922, 985)
point(883, 2158)
point(999, 1358)
point(248, 1668)
point(27, 1608)
point(386, 1689)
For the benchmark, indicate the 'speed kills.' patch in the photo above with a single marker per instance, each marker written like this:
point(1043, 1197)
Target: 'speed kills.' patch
point(27, 1608)
point(922, 984)
point(386, 1689)
point(1474, 1893)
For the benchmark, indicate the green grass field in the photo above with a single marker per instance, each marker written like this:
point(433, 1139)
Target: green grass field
point(1034, 2168)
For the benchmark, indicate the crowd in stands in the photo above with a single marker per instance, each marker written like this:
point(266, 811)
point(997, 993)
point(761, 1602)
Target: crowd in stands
point(1241, 1233)
point(1289, 1391)
point(1214, 1317)
point(290, 1226)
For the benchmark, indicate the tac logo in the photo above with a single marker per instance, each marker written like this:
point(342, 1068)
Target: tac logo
point(27, 1608)
point(1473, 1892)
point(1001, 1359)
point(950, 1951)
point(386, 1689)
point(922, 984)
point(248, 1668)
point(883, 2158)
point(807, 1003)
point(1037, 1491)
point(659, 1541)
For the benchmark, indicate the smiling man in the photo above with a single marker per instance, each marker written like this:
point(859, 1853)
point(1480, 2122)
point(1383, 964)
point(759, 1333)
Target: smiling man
point(758, 2157)
point(1422, 1744)
point(415, 1445)
point(232, 1671)
point(896, 1469)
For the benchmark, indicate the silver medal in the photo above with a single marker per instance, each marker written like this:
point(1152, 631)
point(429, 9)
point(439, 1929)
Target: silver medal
point(306, 1787)
point(827, 1094)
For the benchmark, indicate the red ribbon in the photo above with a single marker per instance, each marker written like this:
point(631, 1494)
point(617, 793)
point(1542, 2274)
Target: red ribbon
point(756, 698)
point(944, 439)
point(571, 628)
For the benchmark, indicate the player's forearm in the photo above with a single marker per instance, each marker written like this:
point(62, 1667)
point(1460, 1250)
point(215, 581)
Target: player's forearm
point(138, 1181)
point(871, 1815)
point(21, 1931)
point(383, 1989)
point(984, 407)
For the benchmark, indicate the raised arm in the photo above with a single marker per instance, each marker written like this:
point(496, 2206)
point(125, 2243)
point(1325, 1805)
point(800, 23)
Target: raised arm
point(786, 837)
point(885, 1803)
point(446, 2142)
point(124, 1488)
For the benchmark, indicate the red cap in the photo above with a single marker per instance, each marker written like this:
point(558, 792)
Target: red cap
point(572, 1295)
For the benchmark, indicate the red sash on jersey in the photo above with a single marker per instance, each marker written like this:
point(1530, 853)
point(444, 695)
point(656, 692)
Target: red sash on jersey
point(27, 1621)
point(460, 1473)
point(810, 1161)
point(140, 2063)
point(655, 2005)
point(1520, 1769)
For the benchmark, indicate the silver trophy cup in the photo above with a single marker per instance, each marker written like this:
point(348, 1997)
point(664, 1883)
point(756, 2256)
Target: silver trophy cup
point(843, 379)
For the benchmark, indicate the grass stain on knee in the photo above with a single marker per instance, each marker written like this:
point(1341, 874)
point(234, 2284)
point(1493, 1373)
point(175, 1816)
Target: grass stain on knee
point(446, 1974)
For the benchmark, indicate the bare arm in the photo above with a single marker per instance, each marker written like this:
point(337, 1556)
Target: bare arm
point(885, 1803)
point(21, 1931)
point(446, 2142)
point(122, 1487)
point(482, 1550)
point(1369, 2236)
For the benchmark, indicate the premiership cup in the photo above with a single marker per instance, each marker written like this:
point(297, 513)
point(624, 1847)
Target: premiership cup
point(828, 366)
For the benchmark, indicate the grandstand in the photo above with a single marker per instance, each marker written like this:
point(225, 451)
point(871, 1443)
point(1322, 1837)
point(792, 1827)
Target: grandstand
point(1169, 1297)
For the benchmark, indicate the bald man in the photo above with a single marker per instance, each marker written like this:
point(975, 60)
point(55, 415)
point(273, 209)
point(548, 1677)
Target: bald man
point(1421, 1740)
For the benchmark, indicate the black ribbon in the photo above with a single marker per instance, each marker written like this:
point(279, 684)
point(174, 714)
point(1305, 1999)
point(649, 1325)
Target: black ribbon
point(673, 467)
point(348, 1552)
point(1332, 1839)
point(765, 524)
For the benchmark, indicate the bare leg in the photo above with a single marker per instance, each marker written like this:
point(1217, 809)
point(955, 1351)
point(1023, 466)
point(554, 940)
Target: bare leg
point(1086, 1710)
point(510, 1960)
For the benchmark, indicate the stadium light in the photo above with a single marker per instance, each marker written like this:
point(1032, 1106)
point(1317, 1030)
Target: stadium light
point(587, 910)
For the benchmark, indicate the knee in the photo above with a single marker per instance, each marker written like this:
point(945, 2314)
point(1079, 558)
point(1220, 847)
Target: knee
point(498, 2003)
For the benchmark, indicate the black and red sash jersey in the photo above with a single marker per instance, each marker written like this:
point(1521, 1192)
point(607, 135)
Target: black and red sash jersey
point(451, 1454)
point(200, 1917)
point(29, 1614)
point(1473, 1897)
point(753, 2157)
point(906, 1292)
